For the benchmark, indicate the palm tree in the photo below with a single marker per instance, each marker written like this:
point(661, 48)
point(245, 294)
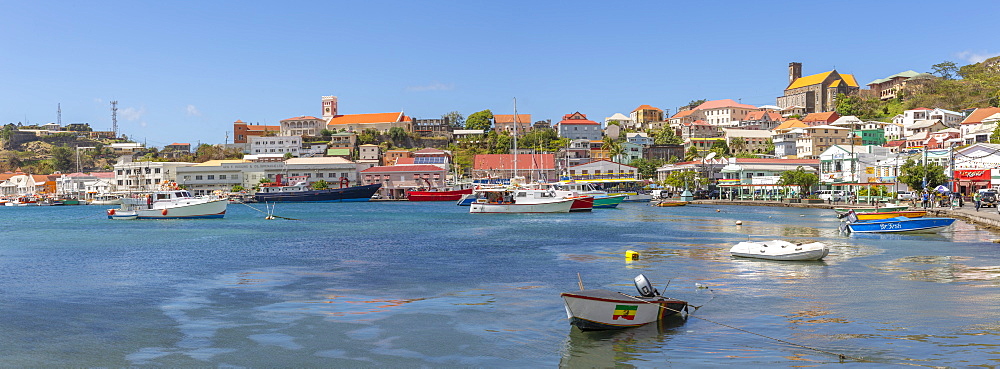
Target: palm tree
point(615, 149)
point(691, 153)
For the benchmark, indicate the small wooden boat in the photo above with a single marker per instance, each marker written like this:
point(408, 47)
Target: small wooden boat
point(891, 214)
point(669, 203)
point(119, 214)
point(895, 225)
point(870, 209)
point(601, 309)
point(780, 250)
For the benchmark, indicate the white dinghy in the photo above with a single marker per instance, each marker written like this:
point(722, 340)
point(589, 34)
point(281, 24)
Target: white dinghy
point(780, 250)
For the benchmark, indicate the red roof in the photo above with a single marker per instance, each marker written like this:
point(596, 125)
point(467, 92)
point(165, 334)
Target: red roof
point(646, 107)
point(979, 114)
point(263, 128)
point(178, 144)
point(760, 114)
point(506, 161)
point(724, 103)
point(509, 118)
point(404, 168)
point(894, 143)
point(682, 114)
point(405, 161)
point(923, 109)
point(575, 118)
point(369, 118)
point(304, 117)
point(829, 117)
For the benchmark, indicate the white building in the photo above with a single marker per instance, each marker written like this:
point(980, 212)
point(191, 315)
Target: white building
point(276, 145)
point(639, 138)
point(302, 126)
point(144, 175)
point(624, 121)
point(949, 118)
point(855, 164)
point(223, 175)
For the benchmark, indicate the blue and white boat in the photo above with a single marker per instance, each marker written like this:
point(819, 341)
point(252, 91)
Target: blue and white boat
point(896, 225)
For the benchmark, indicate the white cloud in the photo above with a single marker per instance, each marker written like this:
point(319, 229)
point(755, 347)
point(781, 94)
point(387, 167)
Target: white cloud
point(132, 114)
point(433, 86)
point(192, 110)
point(99, 100)
point(975, 56)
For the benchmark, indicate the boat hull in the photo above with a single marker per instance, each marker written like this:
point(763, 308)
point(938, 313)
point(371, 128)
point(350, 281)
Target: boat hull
point(780, 250)
point(437, 195)
point(670, 203)
point(901, 225)
point(604, 309)
point(202, 210)
point(559, 206)
point(356, 193)
point(607, 202)
point(466, 200)
point(583, 203)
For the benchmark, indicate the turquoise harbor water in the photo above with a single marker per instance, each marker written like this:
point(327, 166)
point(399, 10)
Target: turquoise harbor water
point(429, 285)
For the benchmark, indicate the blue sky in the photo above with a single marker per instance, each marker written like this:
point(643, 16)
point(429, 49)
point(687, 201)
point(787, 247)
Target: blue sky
point(183, 71)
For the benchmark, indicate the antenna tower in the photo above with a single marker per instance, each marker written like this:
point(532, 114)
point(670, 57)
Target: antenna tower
point(59, 114)
point(114, 117)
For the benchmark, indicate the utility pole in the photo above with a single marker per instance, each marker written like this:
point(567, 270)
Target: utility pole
point(114, 118)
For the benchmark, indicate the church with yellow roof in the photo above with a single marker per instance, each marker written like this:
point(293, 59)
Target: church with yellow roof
point(815, 93)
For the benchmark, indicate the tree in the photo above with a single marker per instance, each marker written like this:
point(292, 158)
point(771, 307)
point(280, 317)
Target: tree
point(320, 185)
point(913, 174)
point(737, 145)
point(692, 153)
point(945, 69)
point(480, 120)
point(236, 188)
point(62, 158)
point(720, 148)
point(683, 179)
point(369, 136)
point(694, 103)
point(647, 167)
point(614, 123)
point(398, 136)
point(801, 178)
point(614, 148)
point(455, 118)
point(326, 133)
point(995, 136)
point(288, 155)
point(665, 136)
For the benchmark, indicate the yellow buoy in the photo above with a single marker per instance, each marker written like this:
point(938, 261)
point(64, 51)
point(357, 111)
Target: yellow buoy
point(631, 255)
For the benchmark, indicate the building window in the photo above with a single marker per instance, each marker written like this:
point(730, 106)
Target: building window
point(197, 178)
point(211, 177)
point(222, 176)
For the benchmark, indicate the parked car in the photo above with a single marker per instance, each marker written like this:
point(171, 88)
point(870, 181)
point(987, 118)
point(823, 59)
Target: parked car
point(987, 198)
point(706, 194)
point(835, 195)
point(905, 195)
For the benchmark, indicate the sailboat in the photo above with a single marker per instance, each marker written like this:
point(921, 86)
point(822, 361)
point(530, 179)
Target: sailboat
point(516, 198)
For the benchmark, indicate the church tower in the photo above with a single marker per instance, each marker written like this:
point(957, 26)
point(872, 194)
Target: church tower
point(329, 107)
point(794, 72)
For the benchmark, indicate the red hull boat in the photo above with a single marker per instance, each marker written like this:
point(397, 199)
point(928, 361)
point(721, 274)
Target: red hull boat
point(437, 195)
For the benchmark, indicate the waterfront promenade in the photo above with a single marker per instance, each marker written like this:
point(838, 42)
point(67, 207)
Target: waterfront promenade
point(986, 217)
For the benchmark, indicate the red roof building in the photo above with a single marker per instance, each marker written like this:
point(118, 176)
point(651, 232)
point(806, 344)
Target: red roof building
point(818, 119)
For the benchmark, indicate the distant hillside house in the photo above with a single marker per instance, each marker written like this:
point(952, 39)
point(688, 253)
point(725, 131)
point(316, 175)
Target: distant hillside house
point(817, 92)
point(505, 122)
point(644, 115)
point(243, 131)
point(577, 126)
point(889, 87)
point(722, 113)
point(302, 126)
point(381, 122)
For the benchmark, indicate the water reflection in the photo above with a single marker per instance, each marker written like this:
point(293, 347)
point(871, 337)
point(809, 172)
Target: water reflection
point(618, 348)
point(943, 269)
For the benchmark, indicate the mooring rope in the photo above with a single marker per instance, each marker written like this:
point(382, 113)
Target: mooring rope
point(842, 357)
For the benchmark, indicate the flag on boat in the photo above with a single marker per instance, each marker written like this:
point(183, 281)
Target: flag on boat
point(626, 312)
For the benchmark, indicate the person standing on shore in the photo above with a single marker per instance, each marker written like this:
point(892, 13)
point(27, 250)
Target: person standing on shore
point(924, 199)
point(975, 198)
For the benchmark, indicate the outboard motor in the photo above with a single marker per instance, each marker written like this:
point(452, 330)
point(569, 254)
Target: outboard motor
point(645, 288)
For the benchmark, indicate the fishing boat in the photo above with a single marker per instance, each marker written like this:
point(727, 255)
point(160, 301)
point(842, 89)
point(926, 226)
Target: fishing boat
point(666, 203)
point(780, 250)
point(601, 309)
point(301, 191)
point(445, 195)
point(602, 200)
point(520, 200)
point(895, 225)
point(21, 201)
point(891, 214)
point(467, 200)
point(870, 209)
point(170, 202)
point(106, 199)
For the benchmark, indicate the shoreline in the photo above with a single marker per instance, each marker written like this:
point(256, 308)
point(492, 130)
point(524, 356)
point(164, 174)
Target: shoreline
point(988, 218)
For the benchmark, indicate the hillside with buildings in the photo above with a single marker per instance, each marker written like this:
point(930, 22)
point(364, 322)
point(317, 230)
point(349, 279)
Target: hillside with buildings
point(826, 121)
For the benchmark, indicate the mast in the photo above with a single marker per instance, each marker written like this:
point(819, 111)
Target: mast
point(515, 138)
